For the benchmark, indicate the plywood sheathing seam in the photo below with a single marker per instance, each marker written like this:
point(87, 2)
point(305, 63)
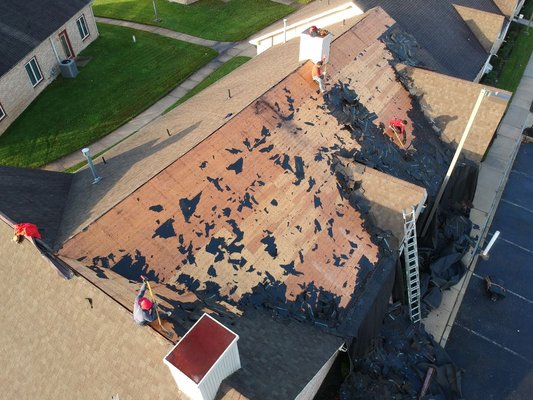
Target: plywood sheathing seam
point(485, 26)
point(449, 101)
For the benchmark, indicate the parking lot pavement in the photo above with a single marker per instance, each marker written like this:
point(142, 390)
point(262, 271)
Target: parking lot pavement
point(492, 341)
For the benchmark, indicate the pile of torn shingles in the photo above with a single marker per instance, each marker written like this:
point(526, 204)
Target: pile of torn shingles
point(404, 362)
point(265, 214)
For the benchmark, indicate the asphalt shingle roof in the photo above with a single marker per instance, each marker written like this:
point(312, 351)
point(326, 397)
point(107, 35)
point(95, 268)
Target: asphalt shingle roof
point(26, 24)
point(439, 28)
point(34, 196)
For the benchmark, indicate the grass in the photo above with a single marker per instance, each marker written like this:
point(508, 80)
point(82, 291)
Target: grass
point(512, 58)
point(220, 72)
point(209, 19)
point(121, 80)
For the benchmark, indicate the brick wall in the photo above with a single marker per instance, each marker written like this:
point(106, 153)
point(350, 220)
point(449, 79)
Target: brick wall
point(16, 90)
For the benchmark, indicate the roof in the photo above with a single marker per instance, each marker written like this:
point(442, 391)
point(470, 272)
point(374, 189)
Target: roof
point(449, 101)
point(253, 217)
point(253, 221)
point(506, 6)
point(484, 25)
point(200, 348)
point(222, 219)
point(436, 25)
point(24, 25)
point(263, 374)
point(34, 196)
point(59, 352)
point(254, 214)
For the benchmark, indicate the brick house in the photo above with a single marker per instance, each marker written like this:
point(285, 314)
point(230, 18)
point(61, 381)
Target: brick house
point(36, 35)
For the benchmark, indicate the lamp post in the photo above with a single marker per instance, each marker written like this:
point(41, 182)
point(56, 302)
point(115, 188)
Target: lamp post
point(155, 12)
point(85, 152)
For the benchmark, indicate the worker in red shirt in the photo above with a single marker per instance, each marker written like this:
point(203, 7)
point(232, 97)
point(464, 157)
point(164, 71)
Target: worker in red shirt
point(318, 75)
point(144, 310)
point(398, 126)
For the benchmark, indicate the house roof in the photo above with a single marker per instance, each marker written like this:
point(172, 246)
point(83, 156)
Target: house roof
point(254, 214)
point(449, 101)
point(63, 338)
point(24, 25)
point(265, 374)
point(34, 196)
point(485, 26)
point(440, 29)
point(506, 6)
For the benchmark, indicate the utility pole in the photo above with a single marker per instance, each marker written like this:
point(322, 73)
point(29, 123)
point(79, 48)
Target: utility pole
point(484, 92)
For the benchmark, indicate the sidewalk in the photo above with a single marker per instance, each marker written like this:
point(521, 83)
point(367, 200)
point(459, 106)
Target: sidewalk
point(493, 175)
point(227, 50)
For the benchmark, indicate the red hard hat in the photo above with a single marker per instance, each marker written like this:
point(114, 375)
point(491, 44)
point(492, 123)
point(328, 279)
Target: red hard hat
point(145, 303)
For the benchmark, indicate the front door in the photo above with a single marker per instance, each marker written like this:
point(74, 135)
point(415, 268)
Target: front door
point(65, 43)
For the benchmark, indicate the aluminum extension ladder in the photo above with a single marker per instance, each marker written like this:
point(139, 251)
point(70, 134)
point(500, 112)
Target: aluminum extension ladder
point(410, 254)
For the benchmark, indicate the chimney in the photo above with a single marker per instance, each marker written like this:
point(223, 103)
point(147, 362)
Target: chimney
point(315, 44)
point(85, 151)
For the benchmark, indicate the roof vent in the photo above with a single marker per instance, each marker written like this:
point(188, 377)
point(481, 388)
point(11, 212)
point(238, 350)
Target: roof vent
point(203, 358)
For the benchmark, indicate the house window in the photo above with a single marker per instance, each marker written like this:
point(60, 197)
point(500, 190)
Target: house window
point(82, 27)
point(34, 72)
point(2, 113)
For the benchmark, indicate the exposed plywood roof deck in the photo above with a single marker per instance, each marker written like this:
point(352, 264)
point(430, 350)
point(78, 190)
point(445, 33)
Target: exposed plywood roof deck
point(249, 204)
point(140, 157)
point(254, 214)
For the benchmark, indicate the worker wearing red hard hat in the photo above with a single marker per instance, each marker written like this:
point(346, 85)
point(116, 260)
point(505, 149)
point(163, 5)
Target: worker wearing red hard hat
point(144, 310)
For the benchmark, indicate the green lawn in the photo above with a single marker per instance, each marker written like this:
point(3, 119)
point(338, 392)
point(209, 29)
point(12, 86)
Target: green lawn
point(220, 72)
point(230, 21)
point(121, 80)
point(512, 58)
